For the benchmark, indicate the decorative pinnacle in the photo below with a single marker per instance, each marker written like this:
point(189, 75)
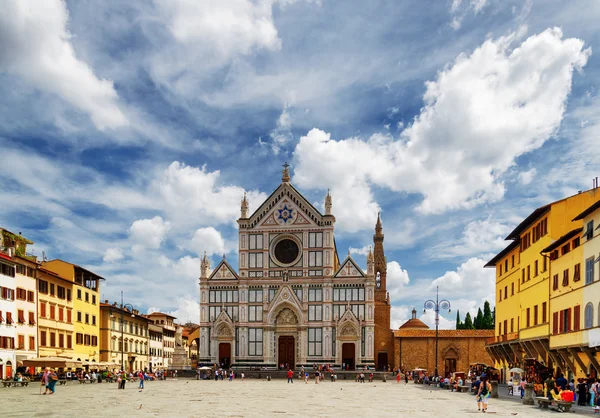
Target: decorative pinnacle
point(328, 203)
point(285, 173)
point(244, 207)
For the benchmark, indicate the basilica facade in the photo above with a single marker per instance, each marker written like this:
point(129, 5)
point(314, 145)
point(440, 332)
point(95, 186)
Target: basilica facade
point(292, 301)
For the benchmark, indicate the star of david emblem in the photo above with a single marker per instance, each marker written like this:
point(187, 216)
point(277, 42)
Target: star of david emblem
point(285, 214)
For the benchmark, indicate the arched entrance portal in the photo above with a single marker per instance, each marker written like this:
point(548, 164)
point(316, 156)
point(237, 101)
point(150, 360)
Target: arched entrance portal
point(286, 324)
point(348, 356)
point(225, 355)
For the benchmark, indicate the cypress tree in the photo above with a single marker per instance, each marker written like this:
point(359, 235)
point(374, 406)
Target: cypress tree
point(468, 322)
point(488, 320)
point(478, 323)
point(458, 323)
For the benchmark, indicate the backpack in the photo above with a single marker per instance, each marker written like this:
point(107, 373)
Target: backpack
point(484, 389)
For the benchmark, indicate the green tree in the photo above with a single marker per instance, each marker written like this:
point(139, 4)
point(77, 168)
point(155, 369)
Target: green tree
point(468, 322)
point(458, 322)
point(488, 320)
point(478, 323)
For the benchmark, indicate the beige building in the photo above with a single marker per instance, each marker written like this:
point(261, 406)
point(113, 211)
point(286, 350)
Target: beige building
point(25, 296)
point(165, 321)
point(155, 344)
point(124, 337)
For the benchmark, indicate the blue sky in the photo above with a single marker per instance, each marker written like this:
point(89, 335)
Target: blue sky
point(130, 131)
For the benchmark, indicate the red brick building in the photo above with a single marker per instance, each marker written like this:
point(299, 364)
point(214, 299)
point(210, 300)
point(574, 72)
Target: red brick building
point(414, 347)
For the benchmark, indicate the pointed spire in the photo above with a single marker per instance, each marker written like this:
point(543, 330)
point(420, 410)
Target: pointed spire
point(370, 261)
point(285, 173)
point(204, 266)
point(348, 252)
point(244, 208)
point(328, 203)
point(378, 227)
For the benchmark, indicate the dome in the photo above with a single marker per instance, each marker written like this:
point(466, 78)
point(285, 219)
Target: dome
point(414, 322)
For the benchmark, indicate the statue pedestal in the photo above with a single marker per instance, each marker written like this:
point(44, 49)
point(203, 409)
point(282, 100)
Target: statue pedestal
point(494, 393)
point(180, 359)
point(528, 399)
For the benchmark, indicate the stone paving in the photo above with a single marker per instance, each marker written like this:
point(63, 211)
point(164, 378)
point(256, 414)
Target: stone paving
point(250, 398)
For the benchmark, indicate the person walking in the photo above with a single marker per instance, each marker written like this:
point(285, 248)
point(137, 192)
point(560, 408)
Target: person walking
point(45, 378)
point(406, 378)
point(141, 377)
point(484, 394)
point(53, 378)
point(123, 379)
point(398, 377)
point(290, 376)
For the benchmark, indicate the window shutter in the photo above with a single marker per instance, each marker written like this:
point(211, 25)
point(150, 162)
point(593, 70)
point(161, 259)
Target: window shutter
point(569, 326)
point(555, 323)
point(577, 318)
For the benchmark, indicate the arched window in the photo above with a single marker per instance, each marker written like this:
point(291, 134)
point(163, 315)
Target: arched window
point(589, 315)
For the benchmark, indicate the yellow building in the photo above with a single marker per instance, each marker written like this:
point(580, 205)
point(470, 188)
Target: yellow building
point(508, 307)
point(55, 314)
point(587, 351)
point(86, 308)
point(566, 298)
point(120, 324)
point(538, 231)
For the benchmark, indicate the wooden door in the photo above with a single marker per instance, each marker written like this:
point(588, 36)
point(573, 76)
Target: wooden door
point(348, 358)
point(382, 361)
point(450, 366)
point(287, 351)
point(225, 355)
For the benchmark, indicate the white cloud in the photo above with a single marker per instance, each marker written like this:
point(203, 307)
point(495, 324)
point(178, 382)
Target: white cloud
point(399, 315)
point(509, 102)
point(149, 233)
point(478, 237)
point(35, 44)
point(459, 10)
point(342, 163)
point(429, 318)
point(192, 193)
point(228, 27)
point(281, 134)
point(112, 254)
point(208, 240)
point(469, 281)
point(526, 177)
point(188, 310)
point(397, 279)
point(360, 251)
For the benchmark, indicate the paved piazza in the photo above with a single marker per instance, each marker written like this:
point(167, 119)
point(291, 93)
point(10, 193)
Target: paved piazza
point(251, 398)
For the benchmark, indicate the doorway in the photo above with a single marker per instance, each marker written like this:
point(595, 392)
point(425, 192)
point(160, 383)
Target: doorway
point(225, 355)
point(382, 361)
point(287, 352)
point(348, 352)
point(450, 366)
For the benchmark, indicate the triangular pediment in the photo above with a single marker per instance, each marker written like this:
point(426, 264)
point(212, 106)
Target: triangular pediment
point(286, 207)
point(348, 325)
point(349, 268)
point(223, 317)
point(223, 271)
point(285, 297)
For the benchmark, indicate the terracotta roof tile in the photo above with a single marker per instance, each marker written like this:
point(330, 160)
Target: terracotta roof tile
point(444, 333)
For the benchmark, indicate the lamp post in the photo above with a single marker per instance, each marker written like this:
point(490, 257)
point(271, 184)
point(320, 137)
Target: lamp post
point(436, 306)
point(123, 306)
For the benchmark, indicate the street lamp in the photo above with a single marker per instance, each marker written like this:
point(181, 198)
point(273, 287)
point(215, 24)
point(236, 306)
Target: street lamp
point(130, 308)
point(436, 306)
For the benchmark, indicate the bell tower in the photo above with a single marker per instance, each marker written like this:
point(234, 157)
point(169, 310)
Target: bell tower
point(384, 338)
